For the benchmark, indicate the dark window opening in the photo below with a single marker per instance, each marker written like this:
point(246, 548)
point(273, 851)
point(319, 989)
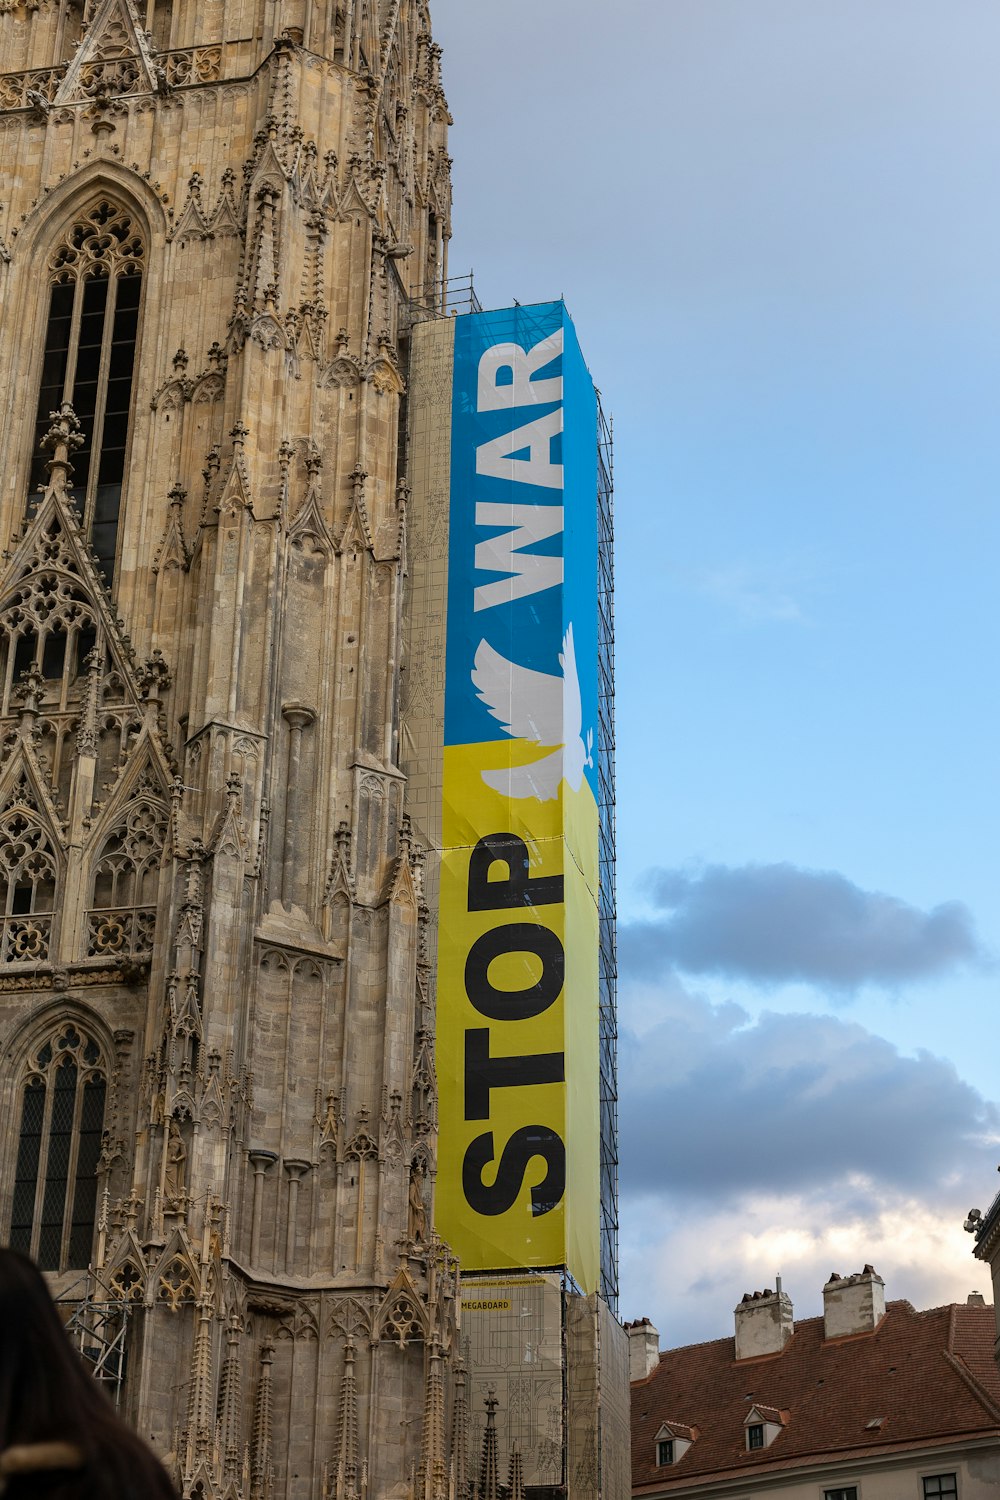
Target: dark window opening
point(57, 1166)
point(54, 1206)
point(53, 382)
point(20, 905)
point(86, 640)
point(755, 1435)
point(24, 654)
point(89, 361)
point(54, 656)
point(88, 1154)
point(26, 1172)
point(665, 1452)
point(940, 1487)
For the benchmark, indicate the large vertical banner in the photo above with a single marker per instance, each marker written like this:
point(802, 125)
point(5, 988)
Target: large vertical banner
point(518, 1179)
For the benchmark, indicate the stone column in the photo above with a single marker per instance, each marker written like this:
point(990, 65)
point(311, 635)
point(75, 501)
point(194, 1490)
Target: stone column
point(298, 717)
point(260, 1161)
point(296, 1171)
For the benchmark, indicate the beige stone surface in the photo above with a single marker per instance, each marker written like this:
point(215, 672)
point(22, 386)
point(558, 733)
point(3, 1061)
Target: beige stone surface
point(261, 1008)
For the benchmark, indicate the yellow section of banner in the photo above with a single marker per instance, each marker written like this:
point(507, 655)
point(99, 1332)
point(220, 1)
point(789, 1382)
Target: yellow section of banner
point(517, 1022)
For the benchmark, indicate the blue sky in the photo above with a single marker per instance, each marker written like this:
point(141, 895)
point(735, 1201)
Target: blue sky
point(775, 225)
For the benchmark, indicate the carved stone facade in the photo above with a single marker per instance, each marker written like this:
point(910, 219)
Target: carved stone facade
point(216, 1022)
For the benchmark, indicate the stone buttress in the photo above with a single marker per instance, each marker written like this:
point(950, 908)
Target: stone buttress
point(216, 1018)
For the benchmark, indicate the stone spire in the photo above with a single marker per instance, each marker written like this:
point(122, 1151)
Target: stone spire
point(199, 1427)
point(261, 1467)
point(433, 1470)
point(515, 1481)
point(231, 1404)
point(346, 1484)
point(489, 1468)
point(460, 1437)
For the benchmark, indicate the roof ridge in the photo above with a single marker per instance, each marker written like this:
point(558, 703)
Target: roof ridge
point(702, 1344)
point(982, 1395)
point(803, 1323)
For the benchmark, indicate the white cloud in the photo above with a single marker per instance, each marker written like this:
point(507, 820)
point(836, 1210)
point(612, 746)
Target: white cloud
point(687, 1266)
point(800, 1144)
point(752, 599)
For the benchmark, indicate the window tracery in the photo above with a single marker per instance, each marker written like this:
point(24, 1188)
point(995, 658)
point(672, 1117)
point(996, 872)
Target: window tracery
point(95, 278)
point(122, 915)
point(127, 1282)
point(402, 1322)
point(47, 624)
point(177, 1284)
point(55, 659)
point(59, 1145)
point(28, 872)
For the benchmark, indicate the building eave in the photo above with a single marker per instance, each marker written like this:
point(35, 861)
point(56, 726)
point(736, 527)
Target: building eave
point(988, 1230)
point(841, 1463)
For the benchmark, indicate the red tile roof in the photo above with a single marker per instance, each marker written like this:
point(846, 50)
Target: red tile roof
point(930, 1375)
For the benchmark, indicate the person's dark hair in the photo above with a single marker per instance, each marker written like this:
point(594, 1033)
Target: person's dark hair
point(47, 1396)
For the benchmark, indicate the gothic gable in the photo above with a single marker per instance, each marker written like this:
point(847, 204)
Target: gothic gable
point(31, 865)
point(126, 850)
point(191, 222)
point(23, 791)
point(235, 498)
point(356, 532)
point(114, 58)
point(403, 1316)
point(53, 587)
point(309, 530)
point(174, 551)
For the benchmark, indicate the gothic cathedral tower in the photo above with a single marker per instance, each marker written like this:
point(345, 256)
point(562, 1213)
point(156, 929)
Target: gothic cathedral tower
point(217, 1083)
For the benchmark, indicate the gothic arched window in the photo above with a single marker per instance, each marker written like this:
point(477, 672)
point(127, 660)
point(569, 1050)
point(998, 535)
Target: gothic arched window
point(27, 884)
point(95, 278)
point(122, 915)
point(58, 1149)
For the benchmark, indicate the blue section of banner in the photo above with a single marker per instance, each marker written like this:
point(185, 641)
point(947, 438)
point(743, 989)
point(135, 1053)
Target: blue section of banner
point(523, 542)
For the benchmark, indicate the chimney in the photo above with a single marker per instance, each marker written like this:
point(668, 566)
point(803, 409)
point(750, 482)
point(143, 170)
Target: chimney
point(643, 1349)
point(975, 1299)
point(764, 1323)
point(853, 1304)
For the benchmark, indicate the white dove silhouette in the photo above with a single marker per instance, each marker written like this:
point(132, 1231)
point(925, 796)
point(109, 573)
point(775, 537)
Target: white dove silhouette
point(536, 706)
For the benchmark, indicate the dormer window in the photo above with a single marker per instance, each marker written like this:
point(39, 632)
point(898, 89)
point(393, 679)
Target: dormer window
point(762, 1425)
point(672, 1442)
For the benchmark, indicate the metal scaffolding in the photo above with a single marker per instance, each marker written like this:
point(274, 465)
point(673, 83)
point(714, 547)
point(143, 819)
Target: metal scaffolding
point(607, 912)
point(98, 1331)
point(444, 299)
